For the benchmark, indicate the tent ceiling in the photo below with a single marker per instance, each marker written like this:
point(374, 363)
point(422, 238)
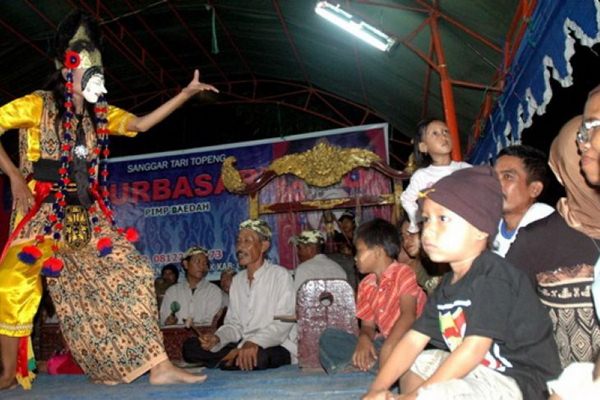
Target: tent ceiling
point(273, 52)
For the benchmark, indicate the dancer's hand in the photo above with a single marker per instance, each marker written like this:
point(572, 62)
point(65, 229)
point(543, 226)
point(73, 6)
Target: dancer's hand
point(22, 197)
point(195, 86)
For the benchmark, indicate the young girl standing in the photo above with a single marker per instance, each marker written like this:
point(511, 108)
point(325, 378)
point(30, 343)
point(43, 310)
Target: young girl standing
point(432, 155)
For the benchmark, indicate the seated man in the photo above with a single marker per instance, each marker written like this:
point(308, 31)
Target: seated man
point(523, 174)
point(389, 301)
point(195, 298)
point(251, 338)
point(314, 264)
point(169, 275)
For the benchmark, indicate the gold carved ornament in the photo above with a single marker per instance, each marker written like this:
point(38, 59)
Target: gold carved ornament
point(321, 166)
point(324, 164)
point(231, 177)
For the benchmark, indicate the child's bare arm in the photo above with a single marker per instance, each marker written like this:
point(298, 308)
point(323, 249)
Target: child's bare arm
point(408, 315)
point(403, 356)
point(365, 354)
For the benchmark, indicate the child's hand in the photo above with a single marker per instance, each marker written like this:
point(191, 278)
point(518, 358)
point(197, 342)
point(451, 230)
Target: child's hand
point(365, 355)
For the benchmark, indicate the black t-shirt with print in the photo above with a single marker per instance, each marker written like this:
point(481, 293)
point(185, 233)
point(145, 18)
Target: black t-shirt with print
point(497, 301)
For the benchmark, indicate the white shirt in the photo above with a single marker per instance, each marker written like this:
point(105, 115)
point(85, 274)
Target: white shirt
point(252, 308)
point(535, 212)
point(201, 306)
point(225, 299)
point(422, 179)
point(318, 267)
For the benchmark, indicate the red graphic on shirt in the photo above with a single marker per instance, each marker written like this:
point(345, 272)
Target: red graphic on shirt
point(453, 325)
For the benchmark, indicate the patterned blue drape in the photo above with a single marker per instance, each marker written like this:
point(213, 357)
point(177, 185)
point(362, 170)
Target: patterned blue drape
point(545, 53)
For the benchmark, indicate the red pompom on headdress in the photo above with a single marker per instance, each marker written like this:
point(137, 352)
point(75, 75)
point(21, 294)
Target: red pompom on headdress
point(72, 59)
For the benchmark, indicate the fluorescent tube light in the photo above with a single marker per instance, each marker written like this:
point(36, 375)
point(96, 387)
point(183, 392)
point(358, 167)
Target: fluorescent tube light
point(355, 26)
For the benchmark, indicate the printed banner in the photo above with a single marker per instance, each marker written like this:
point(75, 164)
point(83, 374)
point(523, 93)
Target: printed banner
point(177, 199)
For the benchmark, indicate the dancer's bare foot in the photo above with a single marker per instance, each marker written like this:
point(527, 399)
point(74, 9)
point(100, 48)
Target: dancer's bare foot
point(9, 382)
point(166, 373)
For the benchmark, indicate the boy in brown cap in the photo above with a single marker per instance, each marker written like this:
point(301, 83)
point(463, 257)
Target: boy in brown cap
point(493, 338)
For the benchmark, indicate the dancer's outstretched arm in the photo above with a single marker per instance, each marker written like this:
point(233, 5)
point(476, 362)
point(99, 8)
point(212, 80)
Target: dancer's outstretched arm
point(142, 124)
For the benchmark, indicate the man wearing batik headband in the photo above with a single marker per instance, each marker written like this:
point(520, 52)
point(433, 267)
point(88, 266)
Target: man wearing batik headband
point(62, 221)
point(251, 338)
point(314, 264)
point(198, 299)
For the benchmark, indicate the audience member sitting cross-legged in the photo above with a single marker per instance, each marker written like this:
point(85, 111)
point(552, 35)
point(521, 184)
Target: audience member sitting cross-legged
point(389, 301)
point(251, 338)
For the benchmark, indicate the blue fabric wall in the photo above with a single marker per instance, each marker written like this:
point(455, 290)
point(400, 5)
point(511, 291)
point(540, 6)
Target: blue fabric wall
point(544, 54)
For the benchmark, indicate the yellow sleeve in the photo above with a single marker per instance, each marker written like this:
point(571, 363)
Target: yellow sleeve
point(24, 112)
point(118, 120)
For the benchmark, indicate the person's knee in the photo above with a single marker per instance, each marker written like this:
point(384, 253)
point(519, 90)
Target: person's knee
point(273, 357)
point(410, 381)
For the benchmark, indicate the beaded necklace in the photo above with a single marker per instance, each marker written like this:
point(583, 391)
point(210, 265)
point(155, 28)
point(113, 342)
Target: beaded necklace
point(98, 186)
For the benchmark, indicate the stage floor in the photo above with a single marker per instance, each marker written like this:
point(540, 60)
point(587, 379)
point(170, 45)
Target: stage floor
point(282, 383)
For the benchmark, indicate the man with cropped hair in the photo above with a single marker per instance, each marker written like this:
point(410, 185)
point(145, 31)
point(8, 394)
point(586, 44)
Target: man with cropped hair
point(196, 300)
point(523, 174)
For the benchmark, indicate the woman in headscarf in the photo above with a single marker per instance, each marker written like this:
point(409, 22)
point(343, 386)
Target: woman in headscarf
point(559, 253)
point(62, 225)
point(581, 380)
